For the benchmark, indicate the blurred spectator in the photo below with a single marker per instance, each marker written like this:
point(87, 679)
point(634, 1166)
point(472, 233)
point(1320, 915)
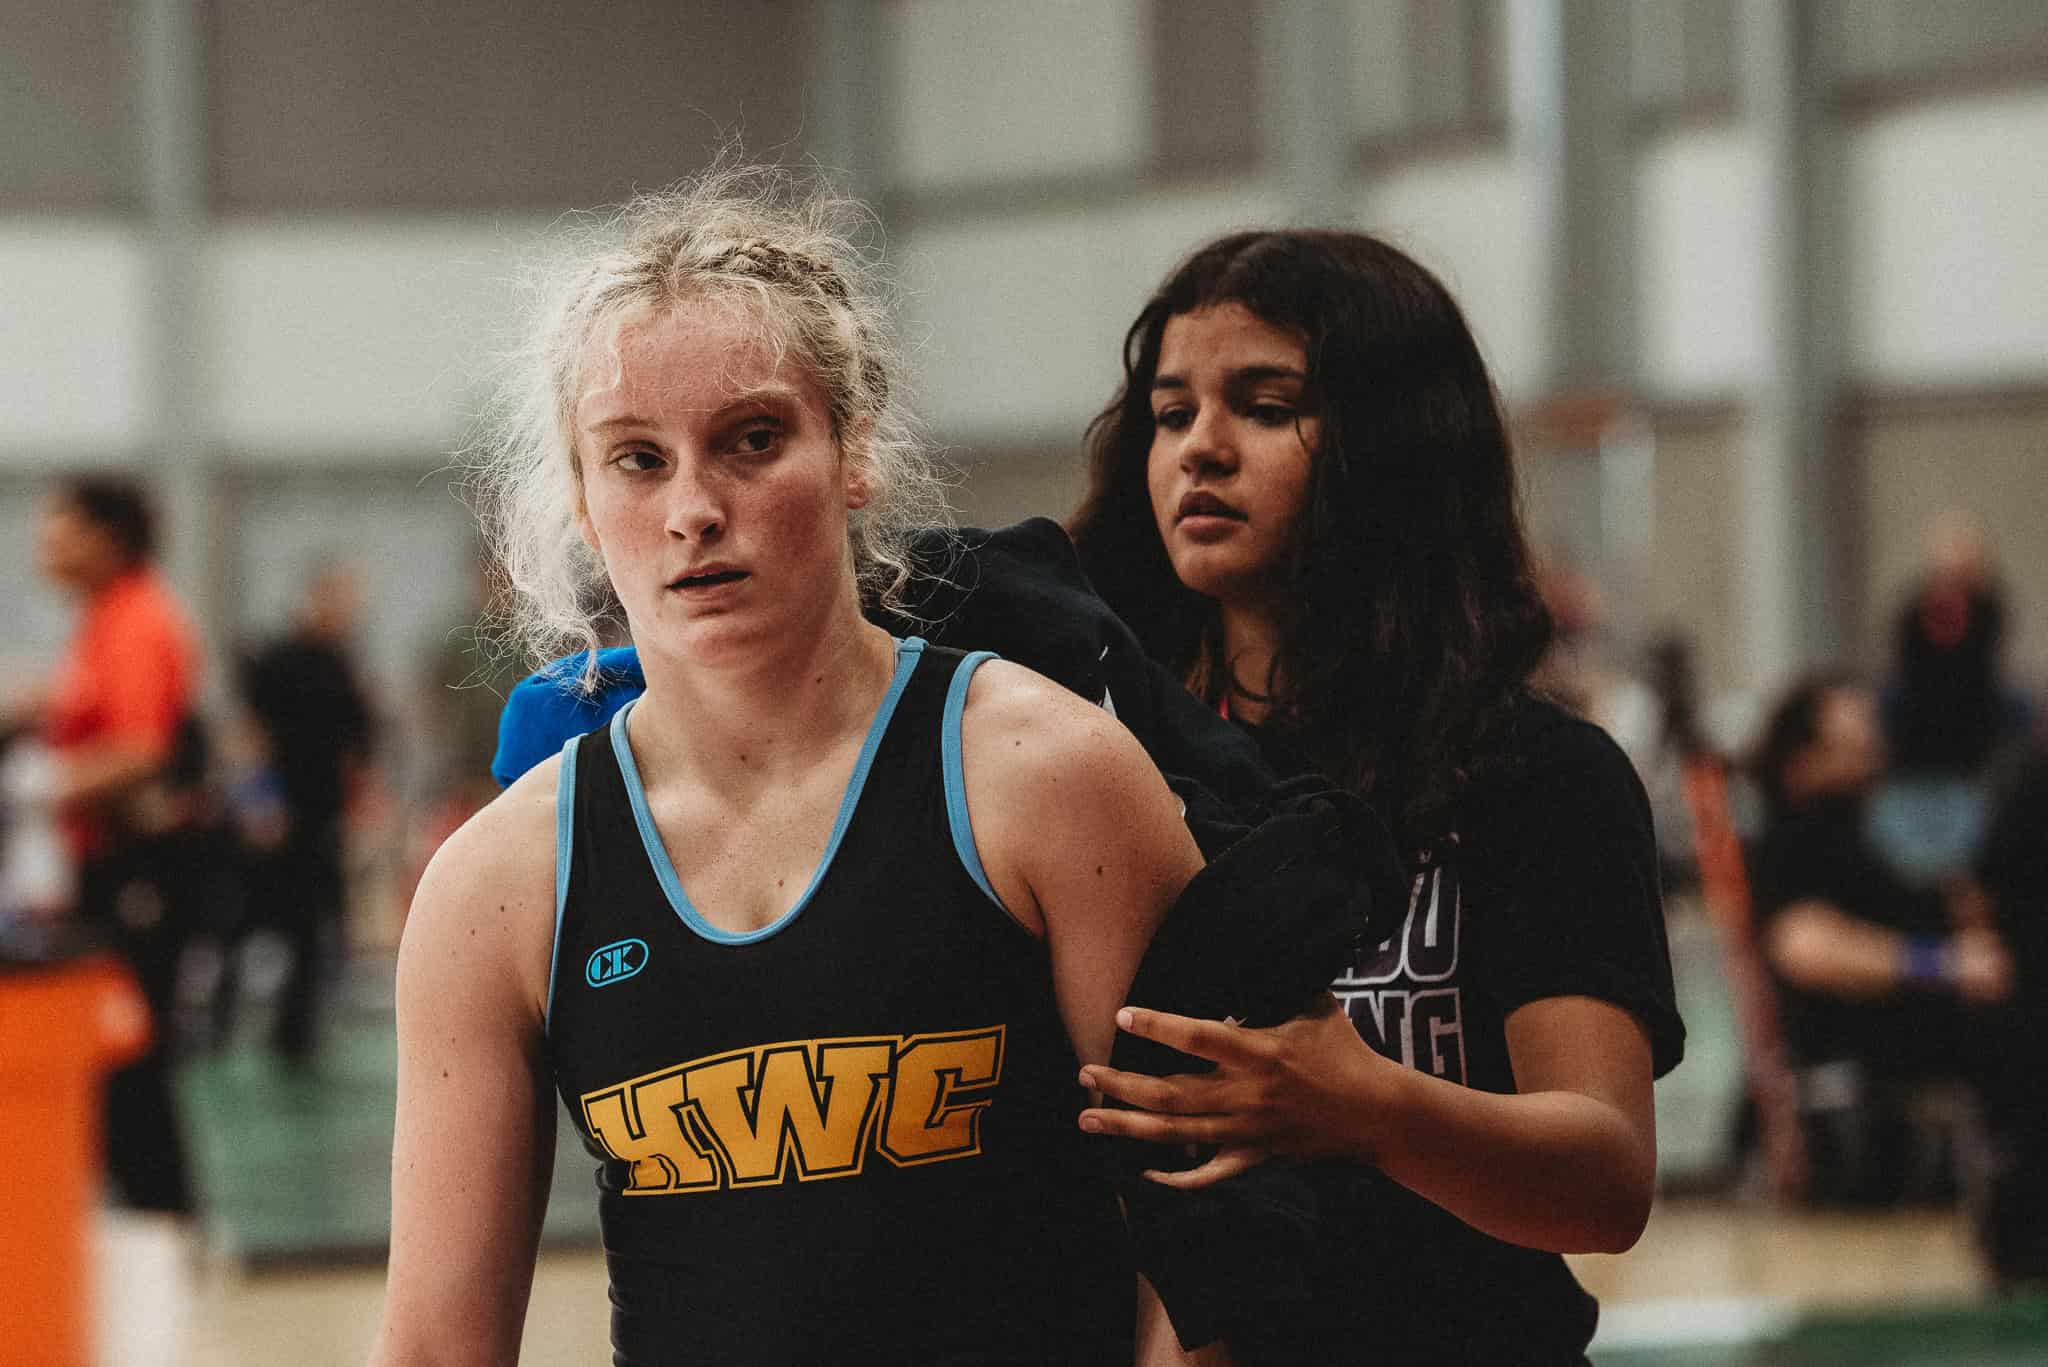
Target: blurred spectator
point(1579, 673)
point(465, 677)
point(303, 693)
point(1876, 986)
point(467, 673)
point(1570, 674)
point(38, 880)
point(254, 823)
point(2013, 871)
point(1671, 746)
point(118, 716)
point(1656, 721)
point(1946, 709)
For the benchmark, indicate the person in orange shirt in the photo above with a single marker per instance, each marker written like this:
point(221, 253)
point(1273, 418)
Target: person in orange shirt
point(114, 714)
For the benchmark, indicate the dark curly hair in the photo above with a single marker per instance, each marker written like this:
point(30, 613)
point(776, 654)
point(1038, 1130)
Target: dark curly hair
point(118, 506)
point(1415, 621)
point(1792, 726)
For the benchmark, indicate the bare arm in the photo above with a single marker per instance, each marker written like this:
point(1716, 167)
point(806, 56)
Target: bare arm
point(1079, 834)
point(1818, 946)
point(1084, 843)
point(474, 1147)
point(1568, 1163)
point(93, 773)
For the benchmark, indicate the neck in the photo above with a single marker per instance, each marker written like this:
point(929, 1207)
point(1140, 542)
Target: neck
point(764, 718)
point(92, 585)
point(1251, 638)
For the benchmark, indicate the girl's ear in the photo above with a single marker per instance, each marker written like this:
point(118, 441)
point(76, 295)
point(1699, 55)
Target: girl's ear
point(856, 451)
point(584, 527)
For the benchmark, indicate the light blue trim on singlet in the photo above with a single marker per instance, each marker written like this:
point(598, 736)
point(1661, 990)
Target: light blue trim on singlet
point(565, 844)
point(907, 652)
point(956, 775)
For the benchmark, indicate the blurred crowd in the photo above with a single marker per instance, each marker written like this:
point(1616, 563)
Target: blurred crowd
point(196, 828)
point(1872, 853)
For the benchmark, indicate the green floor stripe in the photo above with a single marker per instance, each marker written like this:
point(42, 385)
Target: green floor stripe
point(295, 1164)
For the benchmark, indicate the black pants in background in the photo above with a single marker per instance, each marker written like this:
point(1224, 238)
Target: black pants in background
point(297, 891)
point(138, 906)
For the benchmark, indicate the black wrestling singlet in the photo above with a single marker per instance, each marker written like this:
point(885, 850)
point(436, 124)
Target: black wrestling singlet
point(848, 1137)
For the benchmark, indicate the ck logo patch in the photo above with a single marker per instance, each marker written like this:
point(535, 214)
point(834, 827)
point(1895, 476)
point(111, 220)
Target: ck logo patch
point(615, 962)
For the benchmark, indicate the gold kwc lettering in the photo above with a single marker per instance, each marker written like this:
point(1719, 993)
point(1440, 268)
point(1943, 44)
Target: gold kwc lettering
point(750, 1117)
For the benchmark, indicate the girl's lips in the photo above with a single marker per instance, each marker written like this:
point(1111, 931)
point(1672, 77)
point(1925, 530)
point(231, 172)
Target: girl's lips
point(1204, 527)
point(1203, 504)
point(708, 579)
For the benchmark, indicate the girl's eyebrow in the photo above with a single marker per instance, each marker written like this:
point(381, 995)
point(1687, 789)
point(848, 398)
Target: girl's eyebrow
point(774, 391)
point(1251, 374)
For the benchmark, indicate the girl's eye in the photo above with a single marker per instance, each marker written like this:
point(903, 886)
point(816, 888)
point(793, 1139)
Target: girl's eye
point(637, 459)
point(1174, 419)
point(1272, 414)
point(758, 440)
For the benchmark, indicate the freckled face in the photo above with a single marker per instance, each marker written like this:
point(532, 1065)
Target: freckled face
point(713, 485)
point(1233, 443)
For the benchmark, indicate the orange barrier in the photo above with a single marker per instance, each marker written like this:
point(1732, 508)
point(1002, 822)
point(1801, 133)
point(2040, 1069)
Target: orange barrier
point(62, 1027)
point(1724, 883)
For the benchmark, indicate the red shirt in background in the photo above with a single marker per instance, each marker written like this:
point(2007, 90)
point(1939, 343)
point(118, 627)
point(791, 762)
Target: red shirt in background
point(129, 676)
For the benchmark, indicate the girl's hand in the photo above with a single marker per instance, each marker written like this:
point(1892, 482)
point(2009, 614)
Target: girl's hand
point(1307, 1088)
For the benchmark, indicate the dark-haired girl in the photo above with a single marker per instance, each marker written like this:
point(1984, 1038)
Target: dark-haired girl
point(1303, 499)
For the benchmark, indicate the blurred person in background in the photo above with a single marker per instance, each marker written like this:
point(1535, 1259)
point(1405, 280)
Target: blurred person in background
point(2012, 872)
point(1581, 673)
point(1302, 500)
point(118, 715)
point(1572, 672)
point(306, 700)
point(1879, 984)
point(465, 674)
point(1947, 708)
point(468, 671)
point(1671, 748)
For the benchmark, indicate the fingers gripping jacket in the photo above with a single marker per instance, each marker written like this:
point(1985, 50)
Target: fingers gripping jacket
point(1269, 924)
point(1273, 920)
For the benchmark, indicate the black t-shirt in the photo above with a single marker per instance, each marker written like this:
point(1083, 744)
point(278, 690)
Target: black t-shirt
point(304, 692)
point(1548, 889)
point(2013, 867)
point(1821, 853)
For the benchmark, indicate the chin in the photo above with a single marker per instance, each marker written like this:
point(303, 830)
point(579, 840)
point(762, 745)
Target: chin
point(724, 638)
point(712, 638)
point(1212, 574)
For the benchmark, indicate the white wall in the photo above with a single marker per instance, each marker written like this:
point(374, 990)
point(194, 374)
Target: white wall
point(1700, 307)
point(38, 619)
point(340, 335)
point(1948, 241)
point(989, 90)
point(1017, 323)
point(1469, 217)
point(71, 339)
